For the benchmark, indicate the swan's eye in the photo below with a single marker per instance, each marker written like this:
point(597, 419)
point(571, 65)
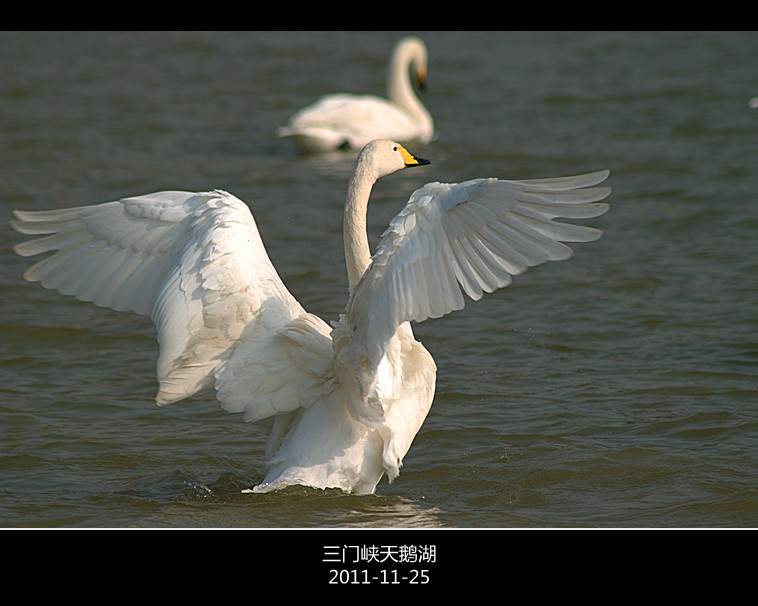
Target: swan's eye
point(394, 148)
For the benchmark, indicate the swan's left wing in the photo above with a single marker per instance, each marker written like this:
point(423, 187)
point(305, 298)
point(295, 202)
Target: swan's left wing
point(194, 262)
point(467, 238)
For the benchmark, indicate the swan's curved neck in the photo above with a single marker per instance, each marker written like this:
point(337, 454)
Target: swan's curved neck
point(357, 250)
point(399, 88)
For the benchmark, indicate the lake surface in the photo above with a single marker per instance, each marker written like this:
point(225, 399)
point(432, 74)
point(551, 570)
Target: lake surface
point(618, 389)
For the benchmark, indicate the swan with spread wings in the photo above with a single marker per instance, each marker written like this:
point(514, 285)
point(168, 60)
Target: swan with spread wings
point(342, 402)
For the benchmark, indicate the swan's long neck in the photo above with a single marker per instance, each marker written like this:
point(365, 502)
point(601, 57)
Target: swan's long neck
point(357, 250)
point(399, 88)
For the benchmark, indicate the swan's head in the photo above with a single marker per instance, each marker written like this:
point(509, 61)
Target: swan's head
point(411, 51)
point(383, 157)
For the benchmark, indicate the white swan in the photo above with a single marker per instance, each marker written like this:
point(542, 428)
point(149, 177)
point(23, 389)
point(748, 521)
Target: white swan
point(350, 121)
point(344, 402)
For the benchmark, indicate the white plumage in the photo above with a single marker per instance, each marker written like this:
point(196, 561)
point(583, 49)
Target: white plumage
point(344, 120)
point(343, 402)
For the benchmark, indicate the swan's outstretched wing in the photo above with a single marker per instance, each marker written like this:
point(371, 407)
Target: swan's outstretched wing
point(470, 237)
point(193, 262)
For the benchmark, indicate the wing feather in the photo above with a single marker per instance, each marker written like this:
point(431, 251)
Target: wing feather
point(195, 263)
point(470, 238)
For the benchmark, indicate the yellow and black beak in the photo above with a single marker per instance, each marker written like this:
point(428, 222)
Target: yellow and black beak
point(421, 80)
point(410, 159)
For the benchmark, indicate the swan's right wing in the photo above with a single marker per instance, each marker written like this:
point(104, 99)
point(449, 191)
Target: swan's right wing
point(193, 262)
point(467, 238)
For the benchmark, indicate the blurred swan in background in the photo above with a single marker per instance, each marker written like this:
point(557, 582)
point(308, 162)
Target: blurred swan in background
point(343, 402)
point(346, 121)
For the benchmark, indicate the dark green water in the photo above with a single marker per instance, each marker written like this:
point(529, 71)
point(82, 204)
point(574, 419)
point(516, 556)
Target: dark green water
point(616, 389)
